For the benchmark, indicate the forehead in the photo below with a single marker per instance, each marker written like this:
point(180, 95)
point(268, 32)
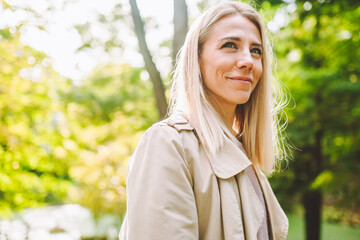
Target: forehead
point(234, 25)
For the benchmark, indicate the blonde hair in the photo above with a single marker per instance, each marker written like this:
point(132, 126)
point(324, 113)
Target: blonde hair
point(255, 121)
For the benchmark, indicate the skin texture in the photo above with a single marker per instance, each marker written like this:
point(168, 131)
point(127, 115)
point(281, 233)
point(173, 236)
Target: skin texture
point(231, 63)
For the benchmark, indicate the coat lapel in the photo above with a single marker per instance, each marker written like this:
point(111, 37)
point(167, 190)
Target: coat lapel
point(252, 208)
point(225, 163)
point(229, 161)
point(232, 161)
point(278, 221)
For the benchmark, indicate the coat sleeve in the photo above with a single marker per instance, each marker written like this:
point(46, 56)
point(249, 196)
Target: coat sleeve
point(160, 197)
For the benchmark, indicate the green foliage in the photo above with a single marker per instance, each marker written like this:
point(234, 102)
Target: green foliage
point(31, 171)
point(65, 143)
point(319, 60)
point(6, 5)
point(107, 114)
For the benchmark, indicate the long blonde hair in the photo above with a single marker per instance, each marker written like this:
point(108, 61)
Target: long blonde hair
point(255, 121)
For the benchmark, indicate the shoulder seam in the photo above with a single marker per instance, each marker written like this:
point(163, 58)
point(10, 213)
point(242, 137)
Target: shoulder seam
point(179, 122)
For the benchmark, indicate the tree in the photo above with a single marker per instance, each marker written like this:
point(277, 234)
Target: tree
point(159, 91)
point(180, 21)
point(318, 59)
point(34, 159)
point(180, 29)
point(106, 115)
point(60, 142)
point(85, 137)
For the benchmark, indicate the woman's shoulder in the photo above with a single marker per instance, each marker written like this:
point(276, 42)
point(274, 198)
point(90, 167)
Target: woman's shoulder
point(174, 130)
point(173, 125)
point(169, 143)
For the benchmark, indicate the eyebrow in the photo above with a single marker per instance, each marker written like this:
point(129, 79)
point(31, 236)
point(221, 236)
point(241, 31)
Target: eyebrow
point(237, 39)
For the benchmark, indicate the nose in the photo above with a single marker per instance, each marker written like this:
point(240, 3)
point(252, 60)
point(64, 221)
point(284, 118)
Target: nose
point(244, 60)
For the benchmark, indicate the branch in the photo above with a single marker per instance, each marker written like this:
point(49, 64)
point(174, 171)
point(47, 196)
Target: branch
point(155, 77)
point(180, 21)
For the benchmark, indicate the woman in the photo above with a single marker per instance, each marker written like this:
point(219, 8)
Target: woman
point(196, 175)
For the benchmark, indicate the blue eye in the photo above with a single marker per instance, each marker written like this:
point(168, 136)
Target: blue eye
point(229, 45)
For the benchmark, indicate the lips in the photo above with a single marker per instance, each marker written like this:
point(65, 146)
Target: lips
point(241, 78)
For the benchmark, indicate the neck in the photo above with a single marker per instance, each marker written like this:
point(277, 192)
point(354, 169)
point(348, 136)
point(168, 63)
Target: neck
point(226, 111)
point(228, 115)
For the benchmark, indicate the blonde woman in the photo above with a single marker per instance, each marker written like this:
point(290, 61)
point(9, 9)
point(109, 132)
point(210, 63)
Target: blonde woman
point(198, 174)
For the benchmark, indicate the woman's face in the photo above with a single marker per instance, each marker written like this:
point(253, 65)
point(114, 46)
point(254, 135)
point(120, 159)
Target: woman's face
point(230, 61)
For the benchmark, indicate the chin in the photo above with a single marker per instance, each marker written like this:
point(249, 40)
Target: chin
point(243, 100)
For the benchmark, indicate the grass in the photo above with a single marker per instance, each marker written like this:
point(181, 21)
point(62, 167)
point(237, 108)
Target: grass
point(330, 231)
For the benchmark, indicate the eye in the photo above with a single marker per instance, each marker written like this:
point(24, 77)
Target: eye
point(229, 45)
point(257, 51)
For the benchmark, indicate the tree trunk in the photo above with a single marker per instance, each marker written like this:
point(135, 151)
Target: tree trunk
point(180, 21)
point(313, 197)
point(155, 77)
point(312, 204)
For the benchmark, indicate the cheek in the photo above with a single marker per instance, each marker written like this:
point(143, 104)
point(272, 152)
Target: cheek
point(258, 70)
point(207, 69)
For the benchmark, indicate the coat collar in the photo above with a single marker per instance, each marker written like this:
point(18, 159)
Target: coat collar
point(179, 122)
point(229, 161)
point(225, 163)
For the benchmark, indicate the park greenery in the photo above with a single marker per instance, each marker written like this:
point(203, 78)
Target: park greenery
point(62, 142)
point(318, 59)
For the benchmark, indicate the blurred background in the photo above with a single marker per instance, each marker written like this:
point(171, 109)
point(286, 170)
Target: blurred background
point(81, 80)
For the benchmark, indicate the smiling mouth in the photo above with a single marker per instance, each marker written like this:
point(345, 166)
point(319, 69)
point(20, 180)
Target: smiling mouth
point(243, 79)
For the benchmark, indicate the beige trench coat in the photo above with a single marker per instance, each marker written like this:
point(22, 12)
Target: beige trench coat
point(176, 192)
